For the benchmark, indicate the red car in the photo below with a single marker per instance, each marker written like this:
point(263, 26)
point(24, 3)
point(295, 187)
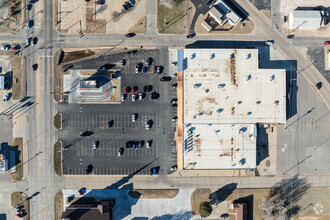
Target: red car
point(327, 43)
point(135, 89)
point(154, 69)
point(17, 47)
point(82, 191)
point(127, 89)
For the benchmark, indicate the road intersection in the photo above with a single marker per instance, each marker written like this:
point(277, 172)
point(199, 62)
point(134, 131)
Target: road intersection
point(41, 134)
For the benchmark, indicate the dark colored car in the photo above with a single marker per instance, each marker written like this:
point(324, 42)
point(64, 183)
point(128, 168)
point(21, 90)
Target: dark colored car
point(82, 191)
point(110, 123)
point(165, 79)
point(35, 67)
point(144, 70)
point(154, 171)
point(130, 35)
point(135, 89)
point(127, 89)
point(191, 35)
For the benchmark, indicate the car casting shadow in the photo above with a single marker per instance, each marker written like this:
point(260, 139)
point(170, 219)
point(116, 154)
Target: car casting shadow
point(222, 194)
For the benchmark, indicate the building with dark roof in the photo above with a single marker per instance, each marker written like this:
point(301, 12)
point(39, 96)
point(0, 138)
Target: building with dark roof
point(100, 211)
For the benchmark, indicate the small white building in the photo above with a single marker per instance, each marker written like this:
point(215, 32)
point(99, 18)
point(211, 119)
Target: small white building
point(305, 19)
point(3, 163)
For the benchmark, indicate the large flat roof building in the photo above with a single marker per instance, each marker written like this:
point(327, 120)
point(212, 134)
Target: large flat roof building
point(224, 95)
point(305, 19)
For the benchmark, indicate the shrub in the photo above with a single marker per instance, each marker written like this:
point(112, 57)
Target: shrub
point(205, 209)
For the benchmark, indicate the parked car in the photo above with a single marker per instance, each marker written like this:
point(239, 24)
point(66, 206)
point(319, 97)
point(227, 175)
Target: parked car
point(34, 41)
point(135, 89)
point(151, 97)
point(327, 43)
point(122, 97)
point(7, 97)
point(174, 101)
point(28, 41)
point(120, 151)
point(134, 97)
point(147, 88)
point(6, 47)
point(269, 42)
point(127, 89)
point(122, 62)
point(148, 124)
point(158, 69)
point(16, 47)
point(148, 144)
point(95, 145)
point(174, 168)
point(82, 191)
point(174, 119)
point(153, 171)
point(29, 24)
point(175, 86)
point(144, 70)
point(154, 69)
point(140, 96)
point(110, 123)
point(28, 7)
point(134, 117)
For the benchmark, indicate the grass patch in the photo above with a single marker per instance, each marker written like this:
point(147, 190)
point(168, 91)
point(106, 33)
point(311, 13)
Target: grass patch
point(197, 197)
point(17, 145)
point(58, 158)
point(58, 202)
point(140, 26)
point(171, 20)
point(58, 121)
point(18, 67)
point(154, 193)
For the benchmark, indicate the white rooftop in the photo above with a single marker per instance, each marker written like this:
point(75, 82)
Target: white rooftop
point(232, 90)
point(305, 19)
point(224, 96)
point(219, 146)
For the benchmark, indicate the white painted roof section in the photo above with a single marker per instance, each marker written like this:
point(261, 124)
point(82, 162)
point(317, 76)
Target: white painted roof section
point(227, 12)
point(305, 19)
point(219, 146)
point(231, 90)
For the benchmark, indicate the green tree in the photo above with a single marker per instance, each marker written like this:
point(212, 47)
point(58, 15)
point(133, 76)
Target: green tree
point(205, 209)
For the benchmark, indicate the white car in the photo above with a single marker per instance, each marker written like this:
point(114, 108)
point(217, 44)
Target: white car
point(5, 47)
point(134, 97)
point(270, 42)
point(122, 97)
point(134, 116)
point(140, 96)
point(6, 97)
point(148, 144)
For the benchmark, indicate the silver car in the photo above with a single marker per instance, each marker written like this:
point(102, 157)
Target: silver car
point(134, 96)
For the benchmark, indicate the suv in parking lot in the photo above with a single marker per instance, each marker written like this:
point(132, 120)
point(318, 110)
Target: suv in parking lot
point(134, 117)
point(134, 97)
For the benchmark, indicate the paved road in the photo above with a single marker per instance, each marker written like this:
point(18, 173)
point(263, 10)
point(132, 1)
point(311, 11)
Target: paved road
point(41, 134)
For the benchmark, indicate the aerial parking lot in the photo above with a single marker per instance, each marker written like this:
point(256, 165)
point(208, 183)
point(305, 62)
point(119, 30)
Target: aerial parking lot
point(135, 134)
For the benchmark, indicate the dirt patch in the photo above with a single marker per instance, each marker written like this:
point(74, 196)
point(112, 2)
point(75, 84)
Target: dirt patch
point(154, 193)
point(58, 158)
point(58, 202)
point(14, 23)
point(20, 199)
point(174, 20)
point(197, 197)
point(17, 146)
point(95, 27)
point(266, 13)
point(140, 26)
point(74, 55)
point(18, 67)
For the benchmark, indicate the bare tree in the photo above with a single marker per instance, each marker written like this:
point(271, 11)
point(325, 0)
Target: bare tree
point(267, 207)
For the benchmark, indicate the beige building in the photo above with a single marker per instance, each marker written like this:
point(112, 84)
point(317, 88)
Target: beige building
point(225, 95)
